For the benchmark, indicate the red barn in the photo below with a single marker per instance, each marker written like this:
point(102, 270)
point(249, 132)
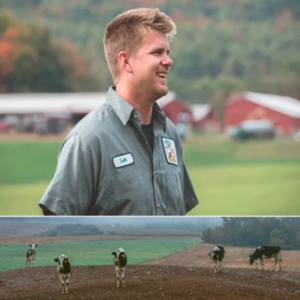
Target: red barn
point(204, 118)
point(175, 109)
point(282, 111)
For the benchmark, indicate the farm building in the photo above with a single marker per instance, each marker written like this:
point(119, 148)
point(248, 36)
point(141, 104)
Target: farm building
point(204, 118)
point(176, 109)
point(37, 108)
point(282, 111)
point(46, 113)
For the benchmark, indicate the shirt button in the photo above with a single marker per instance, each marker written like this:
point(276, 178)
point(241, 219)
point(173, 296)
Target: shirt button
point(158, 205)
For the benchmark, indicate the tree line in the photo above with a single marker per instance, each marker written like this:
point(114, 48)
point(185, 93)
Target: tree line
point(73, 230)
point(254, 231)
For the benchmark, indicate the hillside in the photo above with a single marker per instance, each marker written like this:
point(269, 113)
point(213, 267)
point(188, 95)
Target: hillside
point(222, 46)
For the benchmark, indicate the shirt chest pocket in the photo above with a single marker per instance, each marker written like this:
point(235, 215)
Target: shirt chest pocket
point(173, 195)
point(132, 191)
point(125, 181)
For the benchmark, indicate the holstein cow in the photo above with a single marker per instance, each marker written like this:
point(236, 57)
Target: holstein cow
point(266, 252)
point(64, 272)
point(30, 257)
point(120, 261)
point(217, 256)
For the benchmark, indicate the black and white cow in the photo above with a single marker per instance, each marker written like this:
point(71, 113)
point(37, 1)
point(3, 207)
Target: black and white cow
point(217, 256)
point(268, 252)
point(120, 261)
point(30, 257)
point(64, 272)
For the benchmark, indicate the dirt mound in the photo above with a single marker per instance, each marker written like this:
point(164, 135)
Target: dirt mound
point(150, 282)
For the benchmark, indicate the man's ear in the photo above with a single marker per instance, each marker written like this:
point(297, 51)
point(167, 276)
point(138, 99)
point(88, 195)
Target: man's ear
point(123, 59)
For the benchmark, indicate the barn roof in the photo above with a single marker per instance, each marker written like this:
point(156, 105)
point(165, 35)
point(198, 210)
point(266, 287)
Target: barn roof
point(54, 103)
point(283, 104)
point(200, 111)
point(49, 103)
point(163, 101)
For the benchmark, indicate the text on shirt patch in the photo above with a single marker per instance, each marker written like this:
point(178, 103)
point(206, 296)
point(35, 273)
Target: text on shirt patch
point(123, 160)
point(170, 151)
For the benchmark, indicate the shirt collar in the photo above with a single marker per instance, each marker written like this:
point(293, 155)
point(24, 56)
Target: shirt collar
point(125, 111)
point(121, 107)
point(159, 118)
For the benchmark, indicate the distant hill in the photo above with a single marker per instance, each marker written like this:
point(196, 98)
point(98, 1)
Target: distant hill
point(80, 226)
point(28, 228)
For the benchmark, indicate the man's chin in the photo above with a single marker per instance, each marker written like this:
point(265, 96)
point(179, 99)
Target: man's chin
point(163, 91)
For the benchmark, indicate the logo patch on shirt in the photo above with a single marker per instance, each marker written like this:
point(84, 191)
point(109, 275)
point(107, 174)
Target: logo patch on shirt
point(170, 151)
point(123, 160)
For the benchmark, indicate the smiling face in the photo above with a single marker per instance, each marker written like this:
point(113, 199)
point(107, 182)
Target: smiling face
point(150, 65)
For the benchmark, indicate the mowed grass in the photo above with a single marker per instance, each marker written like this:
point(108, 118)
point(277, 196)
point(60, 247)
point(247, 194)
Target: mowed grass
point(21, 199)
point(230, 178)
point(245, 178)
point(83, 253)
point(248, 190)
point(27, 162)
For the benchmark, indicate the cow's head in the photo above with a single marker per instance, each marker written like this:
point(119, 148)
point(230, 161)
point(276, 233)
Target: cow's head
point(33, 246)
point(256, 254)
point(118, 254)
point(62, 260)
point(252, 259)
point(213, 256)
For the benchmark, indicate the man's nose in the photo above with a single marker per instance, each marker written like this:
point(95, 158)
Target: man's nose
point(167, 61)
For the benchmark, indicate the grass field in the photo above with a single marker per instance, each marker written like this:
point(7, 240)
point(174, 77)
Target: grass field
point(84, 253)
point(230, 178)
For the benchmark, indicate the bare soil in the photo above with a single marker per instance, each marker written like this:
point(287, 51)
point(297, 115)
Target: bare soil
point(150, 282)
point(186, 275)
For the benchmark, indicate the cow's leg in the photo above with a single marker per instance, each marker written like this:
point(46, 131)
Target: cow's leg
point(279, 262)
point(123, 277)
point(61, 281)
point(275, 263)
point(118, 277)
point(262, 264)
point(215, 267)
point(65, 286)
point(67, 283)
point(220, 266)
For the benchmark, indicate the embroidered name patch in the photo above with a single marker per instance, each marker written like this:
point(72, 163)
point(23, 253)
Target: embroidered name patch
point(123, 160)
point(170, 151)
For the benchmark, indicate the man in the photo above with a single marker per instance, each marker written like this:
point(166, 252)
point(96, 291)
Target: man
point(125, 157)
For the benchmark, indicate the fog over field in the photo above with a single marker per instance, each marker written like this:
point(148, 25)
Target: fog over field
point(38, 225)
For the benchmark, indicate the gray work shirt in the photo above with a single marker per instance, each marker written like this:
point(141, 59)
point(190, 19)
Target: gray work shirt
point(106, 166)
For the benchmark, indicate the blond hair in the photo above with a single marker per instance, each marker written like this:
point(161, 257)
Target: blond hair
point(126, 32)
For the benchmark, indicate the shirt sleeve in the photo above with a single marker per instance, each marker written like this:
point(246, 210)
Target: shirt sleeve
point(72, 189)
point(190, 198)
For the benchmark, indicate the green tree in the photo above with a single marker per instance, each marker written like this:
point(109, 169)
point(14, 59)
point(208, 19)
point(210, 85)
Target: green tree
point(278, 237)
